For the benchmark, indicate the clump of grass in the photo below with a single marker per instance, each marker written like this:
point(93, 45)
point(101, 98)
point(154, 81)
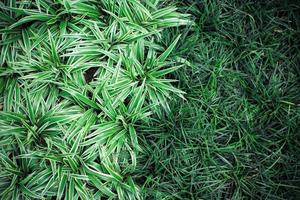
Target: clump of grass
point(77, 79)
point(237, 134)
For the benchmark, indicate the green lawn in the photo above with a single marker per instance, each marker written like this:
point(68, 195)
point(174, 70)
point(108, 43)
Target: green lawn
point(156, 99)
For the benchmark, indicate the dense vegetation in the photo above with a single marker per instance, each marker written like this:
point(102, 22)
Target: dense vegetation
point(134, 99)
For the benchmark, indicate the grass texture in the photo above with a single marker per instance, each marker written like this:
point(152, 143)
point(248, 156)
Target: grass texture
point(156, 99)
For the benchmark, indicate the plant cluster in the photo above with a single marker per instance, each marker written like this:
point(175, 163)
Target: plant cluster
point(149, 99)
point(77, 80)
point(236, 136)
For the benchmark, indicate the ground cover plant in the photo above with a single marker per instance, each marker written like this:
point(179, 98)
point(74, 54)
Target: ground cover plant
point(156, 99)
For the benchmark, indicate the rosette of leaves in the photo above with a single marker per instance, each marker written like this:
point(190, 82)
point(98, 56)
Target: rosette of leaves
point(78, 79)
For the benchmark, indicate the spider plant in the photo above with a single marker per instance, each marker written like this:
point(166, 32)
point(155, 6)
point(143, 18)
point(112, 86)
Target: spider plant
point(78, 78)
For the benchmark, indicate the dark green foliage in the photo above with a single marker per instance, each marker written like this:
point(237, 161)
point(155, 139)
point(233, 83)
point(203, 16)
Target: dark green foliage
point(236, 136)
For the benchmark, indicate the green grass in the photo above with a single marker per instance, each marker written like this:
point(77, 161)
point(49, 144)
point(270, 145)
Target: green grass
point(149, 99)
